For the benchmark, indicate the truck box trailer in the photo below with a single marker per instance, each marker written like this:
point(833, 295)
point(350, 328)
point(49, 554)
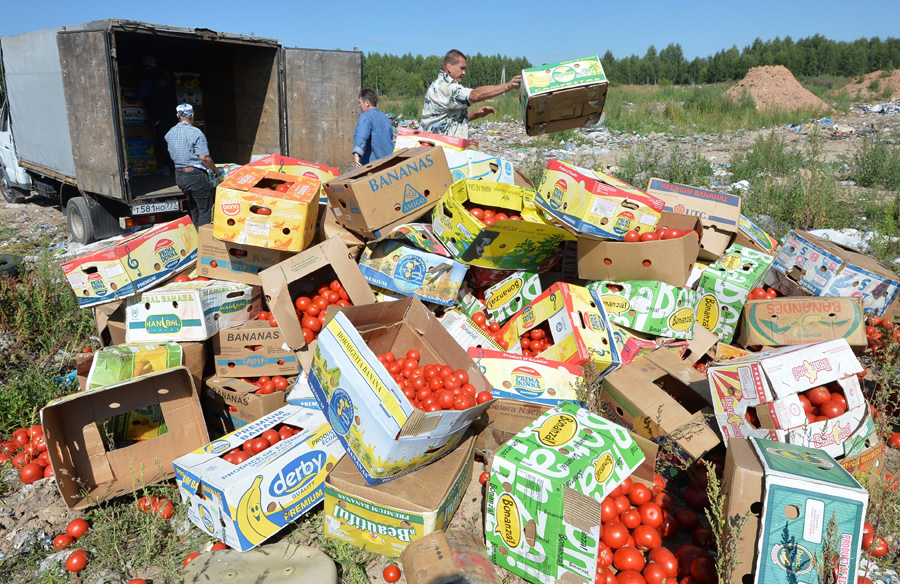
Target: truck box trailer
point(74, 126)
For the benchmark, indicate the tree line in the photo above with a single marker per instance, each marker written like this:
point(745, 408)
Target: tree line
point(404, 75)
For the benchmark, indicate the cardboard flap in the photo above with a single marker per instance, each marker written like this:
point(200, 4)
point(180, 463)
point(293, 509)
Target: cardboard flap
point(704, 340)
point(672, 364)
point(220, 385)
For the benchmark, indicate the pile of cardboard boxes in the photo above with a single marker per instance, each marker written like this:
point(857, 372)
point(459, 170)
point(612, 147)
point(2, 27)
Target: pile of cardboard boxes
point(665, 328)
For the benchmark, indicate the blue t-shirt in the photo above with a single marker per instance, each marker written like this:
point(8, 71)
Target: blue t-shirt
point(373, 137)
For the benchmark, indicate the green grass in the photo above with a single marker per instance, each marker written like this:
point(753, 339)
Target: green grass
point(680, 165)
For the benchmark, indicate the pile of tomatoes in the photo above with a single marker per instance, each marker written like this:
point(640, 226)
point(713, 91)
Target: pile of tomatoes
point(536, 340)
point(267, 384)
point(762, 294)
point(490, 215)
point(432, 387)
point(78, 559)
point(876, 545)
point(824, 402)
point(661, 233)
point(27, 451)
point(491, 329)
point(880, 333)
point(186, 278)
point(311, 311)
point(253, 446)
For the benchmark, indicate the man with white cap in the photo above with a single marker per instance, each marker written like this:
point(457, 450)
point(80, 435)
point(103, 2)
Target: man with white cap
point(195, 170)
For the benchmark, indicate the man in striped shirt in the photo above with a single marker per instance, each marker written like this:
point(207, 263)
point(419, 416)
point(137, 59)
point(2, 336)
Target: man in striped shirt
point(195, 170)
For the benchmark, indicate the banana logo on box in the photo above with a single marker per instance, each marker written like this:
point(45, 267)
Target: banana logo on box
point(557, 431)
point(509, 523)
point(252, 521)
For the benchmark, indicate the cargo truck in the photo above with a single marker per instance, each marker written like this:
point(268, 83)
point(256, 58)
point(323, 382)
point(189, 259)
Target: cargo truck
point(74, 126)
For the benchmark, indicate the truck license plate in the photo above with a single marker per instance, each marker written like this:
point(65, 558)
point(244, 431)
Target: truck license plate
point(151, 208)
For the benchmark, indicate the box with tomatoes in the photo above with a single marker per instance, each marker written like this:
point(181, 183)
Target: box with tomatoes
point(247, 486)
point(725, 285)
point(234, 262)
point(648, 306)
point(238, 402)
point(376, 399)
point(260, 207)
point(280, 163)
point(667, 254)
point(253, 349)
point(544, 494)
point(495, 225)
point(806, 394)
point(594, 204)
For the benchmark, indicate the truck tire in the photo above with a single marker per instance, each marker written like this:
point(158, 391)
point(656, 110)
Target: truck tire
point(9, 265)
point(78, 217)
point(10, 193)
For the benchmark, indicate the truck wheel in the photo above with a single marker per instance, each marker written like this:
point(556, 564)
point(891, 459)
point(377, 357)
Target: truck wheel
point(10, 193)
point(78, 216)
point(9, 265)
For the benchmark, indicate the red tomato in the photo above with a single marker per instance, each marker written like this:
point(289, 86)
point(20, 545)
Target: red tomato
point(894, 440)
point(31, 472)
point(76, 561)
point(77, 527)
point(687, 519)
point(622, 504)
point(627, 485)
point(477, 213)
point(696, 498)
point(666, 559)
point(536, 334)
point(673, 234)
point(604, 556)
point(271, 436)
point(818, 395)
point(649, 236)
point(240, 457)
point(664, 500)
point(654, 573)
point(484, 396)
point(703, 538)
point(280, 382)
point(21, 437)
point(614, 534)
point(257, 445)
point(191, 557)
point(639, 494)
point(651, 514)
point(463, 402)
point(483, 477)
point(608, 511)
point(312, 323)
point(756, 294)
point(807, 407)
point(313, 310)
point(391, 573)
point(686, 554)
point(628, 558)
point(646, 538)
point(879, 547)
point(167, 509)
point(632, 236)
point(48, 472)
point(659, 484)
point(181, 278)
point(333, 297)
point(630, 518)
point(63, 541)
point(832, 409)
point(669, 526)
point(445, 399)
point(704, 571)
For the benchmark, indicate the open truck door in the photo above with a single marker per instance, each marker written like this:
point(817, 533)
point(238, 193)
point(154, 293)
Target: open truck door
point(321, 90)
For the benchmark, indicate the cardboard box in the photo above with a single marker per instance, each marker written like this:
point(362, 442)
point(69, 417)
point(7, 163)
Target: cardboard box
point(466, 333)
point(133, 264)
point(302, 275)
point(443, 556)
point(87, 471)
point(253, 349)
point(769, 383)
point(649, 306)
point(578, 326)
point(114, 364)
point(544, 494)
point(724, 286)
point(110, 321)
point(329, 228)
point(249, 211)
point(388, 191)
point(409, 138)
point(234, 262)
point(470, 164)
point(233, 401)
point(531, 379)
point(280, 163)
point(189, 311)
point(661, 397)
point(669, 261)
point(385, 519)
point(561, 96)
point(503, 420)
point(505, 245)
point(752, 236)
point(796, 491)
point(826, 269)
point(385, 436)
point(504, 299)
point(590, 203)
point(246, 504)
point(412, 272)
point(796, 321)
point(720, 213)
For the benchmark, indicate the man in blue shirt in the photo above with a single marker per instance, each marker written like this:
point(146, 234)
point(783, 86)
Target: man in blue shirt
point(195, 170)
point(373, 137)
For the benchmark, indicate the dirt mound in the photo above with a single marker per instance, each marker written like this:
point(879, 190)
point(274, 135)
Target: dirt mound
point(774, 87)
point(876, 85)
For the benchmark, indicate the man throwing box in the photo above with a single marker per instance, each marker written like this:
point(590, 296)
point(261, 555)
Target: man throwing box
point(446, 109)
point(190, 153)
point(373, 137)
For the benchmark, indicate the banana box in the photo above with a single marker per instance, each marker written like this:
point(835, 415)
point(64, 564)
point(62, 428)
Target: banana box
point(465, 332)
point(286, 165)
point(246, 504)
point(253, 349)
point(155, 254)
point(118, 363)
point(410, 271)
point(384, 434)
point(792, 495)
point(799, 320)
point(234, 262)
point(189, 311)
point(824, 268)
point(260, 207)
point(543, 497)
point(98, 277)
point(724, 286)
point(385, 519)
point(234, 403)
point(751, 235)
point(594, 204)
point(409, 138)
point(769, 384)
point(504, 245)
point(649, 306)
point(480, 166)
point(562, 96)
point(578, 327)
point(504, 299)
point(531, 379)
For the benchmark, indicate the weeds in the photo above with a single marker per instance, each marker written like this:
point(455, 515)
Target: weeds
point(726, 530)
point(685, 166)
point(877, 163)
point(830, 560)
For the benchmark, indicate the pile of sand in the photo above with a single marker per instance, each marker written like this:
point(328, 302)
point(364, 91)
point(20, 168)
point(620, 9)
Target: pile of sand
point(774, 87)
point(862, 86)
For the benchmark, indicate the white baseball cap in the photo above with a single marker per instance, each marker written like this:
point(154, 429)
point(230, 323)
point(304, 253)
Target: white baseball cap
point(185, 109)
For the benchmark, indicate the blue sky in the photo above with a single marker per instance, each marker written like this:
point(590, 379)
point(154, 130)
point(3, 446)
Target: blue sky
point(540, 31)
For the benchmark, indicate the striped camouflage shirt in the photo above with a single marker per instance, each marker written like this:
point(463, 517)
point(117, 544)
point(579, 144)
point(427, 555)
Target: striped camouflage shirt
point(446, 109)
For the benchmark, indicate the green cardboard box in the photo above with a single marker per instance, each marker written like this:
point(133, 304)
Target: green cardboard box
point(542, 516)
point(564, 95)
point(649, 306)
